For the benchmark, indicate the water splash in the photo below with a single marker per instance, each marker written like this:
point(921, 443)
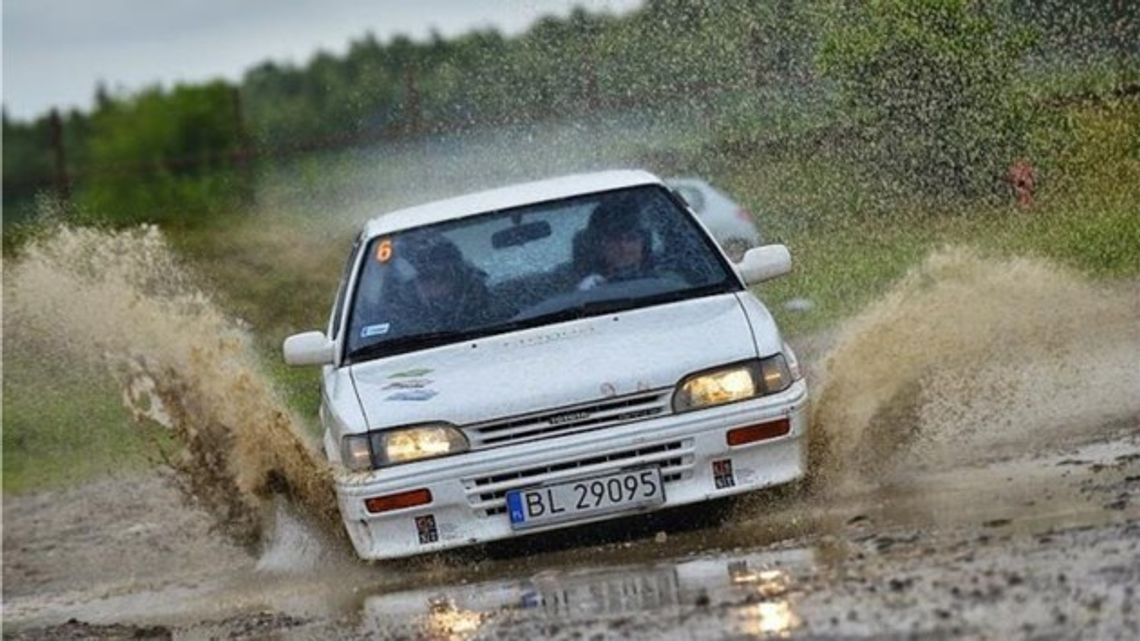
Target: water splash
point(970, 358)
point(122, 298)
point(293, 546)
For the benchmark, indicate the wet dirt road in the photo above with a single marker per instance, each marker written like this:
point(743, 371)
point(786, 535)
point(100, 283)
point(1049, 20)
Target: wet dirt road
point(1038, 543)
point(979, 476)
point(1042, 545)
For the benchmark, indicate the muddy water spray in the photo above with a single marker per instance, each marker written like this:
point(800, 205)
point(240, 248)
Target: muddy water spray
point(122, 298)
point(968, 359)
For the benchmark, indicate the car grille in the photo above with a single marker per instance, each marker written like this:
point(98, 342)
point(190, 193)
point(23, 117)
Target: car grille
point(486, 494)
point(569, 420)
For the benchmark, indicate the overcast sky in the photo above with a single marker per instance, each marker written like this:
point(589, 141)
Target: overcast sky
point(55, 51)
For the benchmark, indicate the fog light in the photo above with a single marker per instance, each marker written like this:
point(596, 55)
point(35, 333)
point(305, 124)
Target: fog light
point(761, 432)
point(399, 501)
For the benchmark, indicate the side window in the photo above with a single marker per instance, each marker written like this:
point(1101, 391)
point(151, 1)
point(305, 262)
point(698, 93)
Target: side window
point(679, 247)
point(338, 304)
point(693, 197)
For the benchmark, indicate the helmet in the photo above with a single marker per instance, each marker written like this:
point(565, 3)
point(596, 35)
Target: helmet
point(614, 216)
point(433, 255)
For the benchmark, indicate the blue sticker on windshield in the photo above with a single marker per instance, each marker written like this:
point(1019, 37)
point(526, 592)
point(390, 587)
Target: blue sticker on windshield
point(412, 395)
point(375, 330)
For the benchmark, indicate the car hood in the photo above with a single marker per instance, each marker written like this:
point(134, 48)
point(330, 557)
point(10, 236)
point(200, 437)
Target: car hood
point(555, 365)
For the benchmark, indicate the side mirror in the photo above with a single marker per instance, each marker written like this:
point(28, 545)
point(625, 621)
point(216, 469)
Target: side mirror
point(308, 348)
point(764, 263)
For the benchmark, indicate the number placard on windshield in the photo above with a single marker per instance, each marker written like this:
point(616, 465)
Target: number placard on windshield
point(584, 498)
point(384, 251)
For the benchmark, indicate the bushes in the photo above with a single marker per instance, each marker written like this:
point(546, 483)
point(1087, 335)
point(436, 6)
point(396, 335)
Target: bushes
point(930, 87)
point(163, 156)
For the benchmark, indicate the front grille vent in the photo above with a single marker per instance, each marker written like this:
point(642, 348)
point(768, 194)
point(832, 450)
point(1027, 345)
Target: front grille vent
point(596, 415)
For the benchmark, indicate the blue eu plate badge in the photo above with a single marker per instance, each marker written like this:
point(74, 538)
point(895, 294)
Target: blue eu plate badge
point(515, 508)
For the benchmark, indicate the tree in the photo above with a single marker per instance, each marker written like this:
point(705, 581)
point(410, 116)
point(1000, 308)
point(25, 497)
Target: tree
point(163, 155)
point(929, 86)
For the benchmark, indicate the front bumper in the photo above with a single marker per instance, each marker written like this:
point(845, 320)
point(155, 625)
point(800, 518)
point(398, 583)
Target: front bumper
point(468, 504)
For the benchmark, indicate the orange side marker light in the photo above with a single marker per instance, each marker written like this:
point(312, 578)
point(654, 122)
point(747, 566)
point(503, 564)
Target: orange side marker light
point(761, 432)
point(389, 502)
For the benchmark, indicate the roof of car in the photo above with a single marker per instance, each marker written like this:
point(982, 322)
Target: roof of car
point(687, 181)
point(506, 198)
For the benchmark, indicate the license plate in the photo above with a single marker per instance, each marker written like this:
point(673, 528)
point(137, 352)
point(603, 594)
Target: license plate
point(583, 498)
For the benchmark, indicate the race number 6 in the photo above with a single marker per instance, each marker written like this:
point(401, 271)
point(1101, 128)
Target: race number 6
point(384, 250)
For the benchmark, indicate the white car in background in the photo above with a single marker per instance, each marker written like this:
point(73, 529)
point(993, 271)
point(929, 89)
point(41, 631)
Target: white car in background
point(731, 225)
point(526, 359)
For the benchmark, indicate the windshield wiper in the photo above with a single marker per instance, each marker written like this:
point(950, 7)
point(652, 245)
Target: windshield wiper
point(413, 341)
point(607, 305)
point(599, 307)
point(425, 340)
point(619, 304)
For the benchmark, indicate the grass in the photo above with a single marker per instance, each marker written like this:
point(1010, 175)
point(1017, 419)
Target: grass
point(850, 242)
point(65, 426)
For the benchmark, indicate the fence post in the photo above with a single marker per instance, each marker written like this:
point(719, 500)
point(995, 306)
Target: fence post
point(243, 158)
point(590, 81)
point(62, 181)
point(1120, 25)
point(413, 118)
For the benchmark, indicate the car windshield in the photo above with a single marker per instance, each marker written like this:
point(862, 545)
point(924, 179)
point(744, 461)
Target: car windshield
point(528, 266)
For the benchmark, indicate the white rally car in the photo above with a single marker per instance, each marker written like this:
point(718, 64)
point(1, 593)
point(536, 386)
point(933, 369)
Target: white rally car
point(539, 356)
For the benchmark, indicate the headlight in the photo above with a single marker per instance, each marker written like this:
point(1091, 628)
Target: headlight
point(415, 443)
point(401, 445)
point(793, 363)
point(733, 383)
point(356, 452)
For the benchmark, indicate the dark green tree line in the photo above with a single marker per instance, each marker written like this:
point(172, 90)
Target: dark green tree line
point(927, 86)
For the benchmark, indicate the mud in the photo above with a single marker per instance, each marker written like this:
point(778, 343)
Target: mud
point(1044, 544)
point(123, 301)
point(978, 462)
point(968, 359)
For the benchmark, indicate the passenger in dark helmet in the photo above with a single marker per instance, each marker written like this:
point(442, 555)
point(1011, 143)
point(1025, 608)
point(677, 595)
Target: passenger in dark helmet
point(446, 291)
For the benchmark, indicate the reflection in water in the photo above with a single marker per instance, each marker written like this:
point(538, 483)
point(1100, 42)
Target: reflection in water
point(768, 583)
point(772, 616)
point(769, 618)
point(603, 593)
point(445, 622)
point(750, 593)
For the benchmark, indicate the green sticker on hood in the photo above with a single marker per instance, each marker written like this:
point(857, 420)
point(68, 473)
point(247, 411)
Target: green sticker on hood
point(411, 373)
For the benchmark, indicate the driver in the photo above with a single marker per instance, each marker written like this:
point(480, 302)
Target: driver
point(618, 246)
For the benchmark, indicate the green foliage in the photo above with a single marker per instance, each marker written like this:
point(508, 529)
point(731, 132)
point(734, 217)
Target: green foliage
point(849, 243)
point(668, 53)
point(64, 425)
point(163, 156)
point(930, 86)
point(1091, 213)
point(1080, 34)
point(30, 162)
point(925, 96)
